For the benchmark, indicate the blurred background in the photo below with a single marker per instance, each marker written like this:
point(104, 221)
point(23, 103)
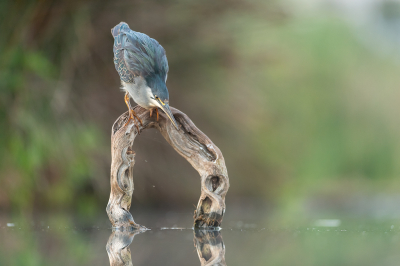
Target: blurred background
point(301, 98)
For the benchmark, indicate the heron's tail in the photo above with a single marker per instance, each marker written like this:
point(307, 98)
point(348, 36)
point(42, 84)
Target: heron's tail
point(122, 26)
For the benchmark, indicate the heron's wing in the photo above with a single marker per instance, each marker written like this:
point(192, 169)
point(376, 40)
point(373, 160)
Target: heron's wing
point(121, 65)
point(136, 54)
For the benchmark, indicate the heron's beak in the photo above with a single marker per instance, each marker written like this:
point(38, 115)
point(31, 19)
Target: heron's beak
point(167, 111)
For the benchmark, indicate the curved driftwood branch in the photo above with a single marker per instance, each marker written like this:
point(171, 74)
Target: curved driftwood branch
point(190, 143)
point(210, 247)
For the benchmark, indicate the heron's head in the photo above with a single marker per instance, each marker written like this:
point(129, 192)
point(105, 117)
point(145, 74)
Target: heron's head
point(159, 95)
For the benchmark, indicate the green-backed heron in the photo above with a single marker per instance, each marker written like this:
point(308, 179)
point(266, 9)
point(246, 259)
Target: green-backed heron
point(143, 68)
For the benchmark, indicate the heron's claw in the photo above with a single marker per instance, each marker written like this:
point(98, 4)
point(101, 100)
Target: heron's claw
point(135, 115)
point(132, 116)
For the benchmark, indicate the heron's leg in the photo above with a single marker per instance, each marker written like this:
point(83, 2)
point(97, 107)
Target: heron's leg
point(151, 112)
point(127, 102)
point(131, 113)
point(157, 113)
point(135, 115)
point(126, 98)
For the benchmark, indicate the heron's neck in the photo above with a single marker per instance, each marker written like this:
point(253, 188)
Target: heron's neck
point(140, 93)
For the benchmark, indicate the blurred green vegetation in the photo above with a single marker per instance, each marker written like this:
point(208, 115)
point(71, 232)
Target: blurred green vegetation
point(327, 104)
point(299, 105)
point(45, 151)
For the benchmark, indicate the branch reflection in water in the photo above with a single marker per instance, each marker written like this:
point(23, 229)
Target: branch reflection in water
point(118, 249)
point(209, 245)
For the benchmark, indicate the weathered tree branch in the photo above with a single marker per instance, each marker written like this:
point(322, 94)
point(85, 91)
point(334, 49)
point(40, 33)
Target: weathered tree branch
point(190, 143)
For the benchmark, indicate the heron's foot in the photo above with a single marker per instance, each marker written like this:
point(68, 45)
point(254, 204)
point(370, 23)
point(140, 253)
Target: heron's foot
point(151, 112)
point(132, 113)
point(132, 116)
point(129, 120)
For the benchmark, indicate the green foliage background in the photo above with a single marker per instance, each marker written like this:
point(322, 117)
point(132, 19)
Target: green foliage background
point(299, 105)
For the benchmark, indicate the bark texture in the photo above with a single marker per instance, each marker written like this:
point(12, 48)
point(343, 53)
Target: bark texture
point(210, 247)
point(190, 143)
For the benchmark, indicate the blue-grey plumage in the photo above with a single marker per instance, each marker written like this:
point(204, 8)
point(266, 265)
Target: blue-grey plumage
point(142, 65)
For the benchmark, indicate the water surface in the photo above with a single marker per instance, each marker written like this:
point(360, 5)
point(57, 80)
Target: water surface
point(65, 241)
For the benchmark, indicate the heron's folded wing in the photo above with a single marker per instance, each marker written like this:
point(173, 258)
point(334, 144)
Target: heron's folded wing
point(137, 54)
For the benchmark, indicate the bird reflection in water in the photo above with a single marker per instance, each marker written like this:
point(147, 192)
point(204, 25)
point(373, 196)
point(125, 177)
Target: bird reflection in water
point(209, 245)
